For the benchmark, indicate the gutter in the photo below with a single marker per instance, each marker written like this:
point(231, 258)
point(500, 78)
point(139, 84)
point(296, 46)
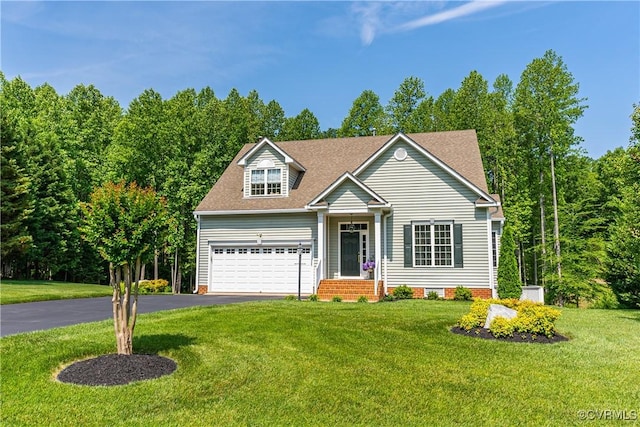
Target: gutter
point(197, 217)
point(386, 243)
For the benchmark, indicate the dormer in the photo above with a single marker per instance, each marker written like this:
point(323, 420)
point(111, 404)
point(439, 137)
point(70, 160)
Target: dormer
point(268, 171)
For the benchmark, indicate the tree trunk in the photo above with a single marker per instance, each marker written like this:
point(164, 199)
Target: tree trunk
point(125, 314)
point(134, 308)
point(155, 265)
point(535, 263)
point(556, 225)
point(120, 306)
point(519, 252)
point(543, 240)
point(175, 274)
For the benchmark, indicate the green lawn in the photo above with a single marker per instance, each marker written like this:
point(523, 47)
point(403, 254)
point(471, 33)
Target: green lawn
point(16, 291)
point(292, 363)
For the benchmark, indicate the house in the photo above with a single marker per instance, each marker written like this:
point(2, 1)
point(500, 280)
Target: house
point(307, 214)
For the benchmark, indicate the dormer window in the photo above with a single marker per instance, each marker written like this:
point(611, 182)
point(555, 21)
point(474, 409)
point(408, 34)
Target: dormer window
point(266, 182)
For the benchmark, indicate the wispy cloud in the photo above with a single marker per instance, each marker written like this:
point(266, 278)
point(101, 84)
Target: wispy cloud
point(448, 15)
point(369, 16)
point(375, 18)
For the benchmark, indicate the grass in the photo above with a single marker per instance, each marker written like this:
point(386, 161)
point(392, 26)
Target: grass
point(301, 363)
point(17, 291)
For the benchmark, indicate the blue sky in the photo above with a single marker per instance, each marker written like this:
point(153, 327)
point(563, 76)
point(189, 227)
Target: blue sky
point(322, 55)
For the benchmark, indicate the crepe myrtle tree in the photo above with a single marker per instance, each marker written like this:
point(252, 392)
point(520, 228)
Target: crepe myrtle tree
point(123, 223)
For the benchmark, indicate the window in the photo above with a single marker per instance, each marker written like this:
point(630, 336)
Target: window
point(433, 245)
point(266, 182)
point(273, 181)
point(356, 226)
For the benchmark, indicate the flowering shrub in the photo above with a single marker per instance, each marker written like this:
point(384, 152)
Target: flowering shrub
point(501, 327)
point(533, 318)
point(369, 265)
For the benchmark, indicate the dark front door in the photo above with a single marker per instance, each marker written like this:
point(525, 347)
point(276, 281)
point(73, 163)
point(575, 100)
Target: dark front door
point(349, 259)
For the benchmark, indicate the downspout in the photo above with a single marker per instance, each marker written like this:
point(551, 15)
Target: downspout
point(197, 217)
point(492, 279)
point(386, 243)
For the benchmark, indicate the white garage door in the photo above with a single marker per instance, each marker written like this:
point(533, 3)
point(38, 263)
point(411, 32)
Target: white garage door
point(269, 269)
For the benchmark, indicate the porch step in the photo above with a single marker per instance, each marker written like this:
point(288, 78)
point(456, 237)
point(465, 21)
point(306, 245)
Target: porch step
point(349, 290)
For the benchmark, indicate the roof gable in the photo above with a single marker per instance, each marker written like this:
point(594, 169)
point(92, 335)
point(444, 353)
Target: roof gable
point(422, 150)
point(266, 142)
point(347, 177)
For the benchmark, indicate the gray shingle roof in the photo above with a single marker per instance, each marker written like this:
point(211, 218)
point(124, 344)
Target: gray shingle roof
point(325, 160)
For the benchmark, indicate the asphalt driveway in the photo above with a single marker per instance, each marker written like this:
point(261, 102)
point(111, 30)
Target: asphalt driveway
point(35, 316)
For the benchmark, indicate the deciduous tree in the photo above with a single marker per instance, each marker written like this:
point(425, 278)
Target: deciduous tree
point(366, 116)
point(123, 223)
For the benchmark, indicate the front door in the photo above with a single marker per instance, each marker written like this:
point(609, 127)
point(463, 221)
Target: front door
point(349, 254)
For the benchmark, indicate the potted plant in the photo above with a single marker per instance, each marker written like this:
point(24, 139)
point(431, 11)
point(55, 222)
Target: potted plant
point(369, 266)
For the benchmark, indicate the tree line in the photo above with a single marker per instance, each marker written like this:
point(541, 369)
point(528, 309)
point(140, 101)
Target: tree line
point(574, 220)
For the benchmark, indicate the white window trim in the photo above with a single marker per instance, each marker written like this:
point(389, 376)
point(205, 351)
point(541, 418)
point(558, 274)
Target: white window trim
point(265, 182)
point(432, 244)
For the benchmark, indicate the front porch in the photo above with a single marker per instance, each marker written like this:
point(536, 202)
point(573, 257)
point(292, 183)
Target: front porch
point(350, 289)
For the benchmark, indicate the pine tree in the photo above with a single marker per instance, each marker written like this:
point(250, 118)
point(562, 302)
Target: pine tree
point(15, 199)
point(509, 285)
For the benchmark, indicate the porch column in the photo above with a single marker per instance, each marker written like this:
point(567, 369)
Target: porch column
point(321, 255)
point(378, 237)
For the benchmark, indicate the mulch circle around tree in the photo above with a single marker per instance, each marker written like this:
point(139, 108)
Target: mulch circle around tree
point(117, 369)
point(517, 336)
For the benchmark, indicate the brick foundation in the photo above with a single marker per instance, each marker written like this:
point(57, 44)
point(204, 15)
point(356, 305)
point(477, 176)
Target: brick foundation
point(349, 290)
point(484, 293)
point(418, 293)
point(202, 289)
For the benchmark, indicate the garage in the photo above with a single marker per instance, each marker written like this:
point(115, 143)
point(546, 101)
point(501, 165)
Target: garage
point(255, 269)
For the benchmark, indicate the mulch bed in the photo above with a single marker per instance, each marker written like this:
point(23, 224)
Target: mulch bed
point(517, 337)
point(117, 369)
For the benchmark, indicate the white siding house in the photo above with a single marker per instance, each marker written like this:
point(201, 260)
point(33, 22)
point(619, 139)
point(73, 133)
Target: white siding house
point(416, 205)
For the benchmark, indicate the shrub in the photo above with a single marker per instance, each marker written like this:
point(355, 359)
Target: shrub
point(290, 298)
point(313, 297)
point(469, 322)
point(433, 295)
point(462, 294)
point(153, 286)
point(388, 298)
point(509, 285)
point(536, 319)
point(362, 298)
point(477, 314)
point(501, 327)
point(403, 292)
point(605, 300)
point(336, 298)
point(533, 318)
